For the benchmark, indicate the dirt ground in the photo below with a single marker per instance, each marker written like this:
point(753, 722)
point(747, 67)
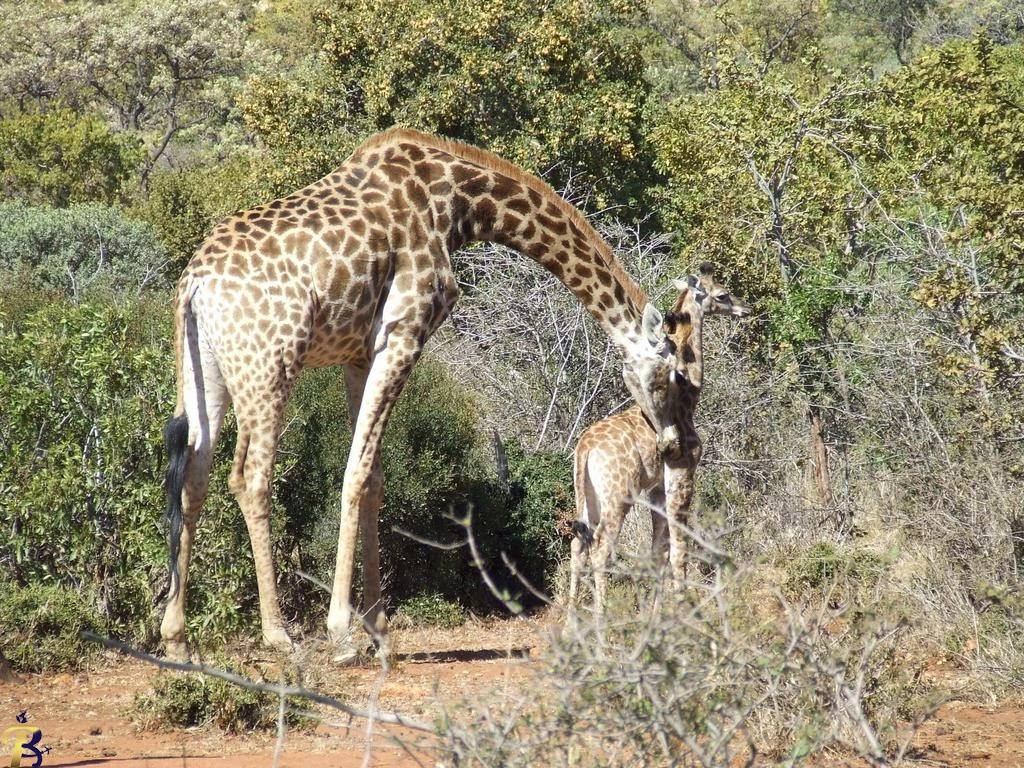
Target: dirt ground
point(85, 717)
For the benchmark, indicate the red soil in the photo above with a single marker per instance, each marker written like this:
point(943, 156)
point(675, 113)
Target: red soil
point(85, 717)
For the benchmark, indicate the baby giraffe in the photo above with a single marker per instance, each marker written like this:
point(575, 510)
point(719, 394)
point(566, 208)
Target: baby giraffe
point(616, 459)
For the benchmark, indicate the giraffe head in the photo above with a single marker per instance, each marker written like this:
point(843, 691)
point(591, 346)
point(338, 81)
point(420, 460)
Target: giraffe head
point(650, 376)
point(658, 380)
point(703, 295)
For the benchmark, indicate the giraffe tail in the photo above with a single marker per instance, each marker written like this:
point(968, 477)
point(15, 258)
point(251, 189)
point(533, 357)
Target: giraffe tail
point(583, 531)
point(581, 525)
point(176, 439)
point(176, 446)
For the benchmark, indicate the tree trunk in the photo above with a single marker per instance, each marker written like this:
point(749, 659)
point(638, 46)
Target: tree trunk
point(819, 457)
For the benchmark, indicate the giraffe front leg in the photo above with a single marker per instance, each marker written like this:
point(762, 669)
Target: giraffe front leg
point(659, 526)
point(678, 495)
point(361, 495)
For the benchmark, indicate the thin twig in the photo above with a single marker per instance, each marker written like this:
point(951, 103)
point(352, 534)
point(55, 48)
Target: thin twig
point(387, 718)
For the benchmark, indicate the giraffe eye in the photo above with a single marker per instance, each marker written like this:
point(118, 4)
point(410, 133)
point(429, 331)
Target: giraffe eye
point(677, 377)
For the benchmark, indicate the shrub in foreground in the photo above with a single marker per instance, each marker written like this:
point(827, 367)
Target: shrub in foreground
point(190, 700)
point(715, 676)
point(41, 627)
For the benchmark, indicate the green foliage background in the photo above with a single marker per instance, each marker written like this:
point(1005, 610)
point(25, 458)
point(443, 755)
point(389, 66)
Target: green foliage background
point(555, 87)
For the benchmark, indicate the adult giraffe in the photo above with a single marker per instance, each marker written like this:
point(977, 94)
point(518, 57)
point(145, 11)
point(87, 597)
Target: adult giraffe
point(355, 270)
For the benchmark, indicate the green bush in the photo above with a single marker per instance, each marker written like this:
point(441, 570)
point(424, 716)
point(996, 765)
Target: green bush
point(824, 565)
point(60, 158)
point(190, 700)
point(433, 466)
point(82, 249)
point(815, 568)
point(432, 611)
point(87, 389)
point(181, 701)
point(542, 501)
point(41, 625)
point(436, 463)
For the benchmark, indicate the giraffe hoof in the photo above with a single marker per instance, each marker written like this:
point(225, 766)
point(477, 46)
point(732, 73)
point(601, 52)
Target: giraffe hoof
point(345, 655)
point(278, 640)
point(385, 653)
point(351, 651)
point(176, 650)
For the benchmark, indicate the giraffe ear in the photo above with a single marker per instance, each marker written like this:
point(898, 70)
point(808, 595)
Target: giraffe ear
point(687, 283)
point(652, 323)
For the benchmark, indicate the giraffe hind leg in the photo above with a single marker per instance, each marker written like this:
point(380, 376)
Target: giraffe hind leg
point(191, 437)
point(607, 535)
point(259, 417)
point(369, 508)
point(583, 537)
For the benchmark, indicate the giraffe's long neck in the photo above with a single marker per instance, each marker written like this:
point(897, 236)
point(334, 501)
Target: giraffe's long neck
point(577, 256)
point(476, 196)
point(688, 336)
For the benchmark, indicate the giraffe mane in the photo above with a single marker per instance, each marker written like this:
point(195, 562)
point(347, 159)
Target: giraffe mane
point(493, 162)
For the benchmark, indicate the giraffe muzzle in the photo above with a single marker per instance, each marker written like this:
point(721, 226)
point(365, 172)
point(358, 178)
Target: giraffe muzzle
point(669, 444)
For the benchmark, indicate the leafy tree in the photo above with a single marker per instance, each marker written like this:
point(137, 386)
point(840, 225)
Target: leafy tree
point(1002, 21)
point(160, 69)
point(953, 175)
point(761, 183)
point(58, 158)
point(692, 38)
point(555, 87)
point(692, 41)
point(896, 19)
point(183, 204)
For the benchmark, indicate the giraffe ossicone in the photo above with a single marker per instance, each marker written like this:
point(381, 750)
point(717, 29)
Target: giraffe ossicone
point(355, 270)
point(617, 460)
